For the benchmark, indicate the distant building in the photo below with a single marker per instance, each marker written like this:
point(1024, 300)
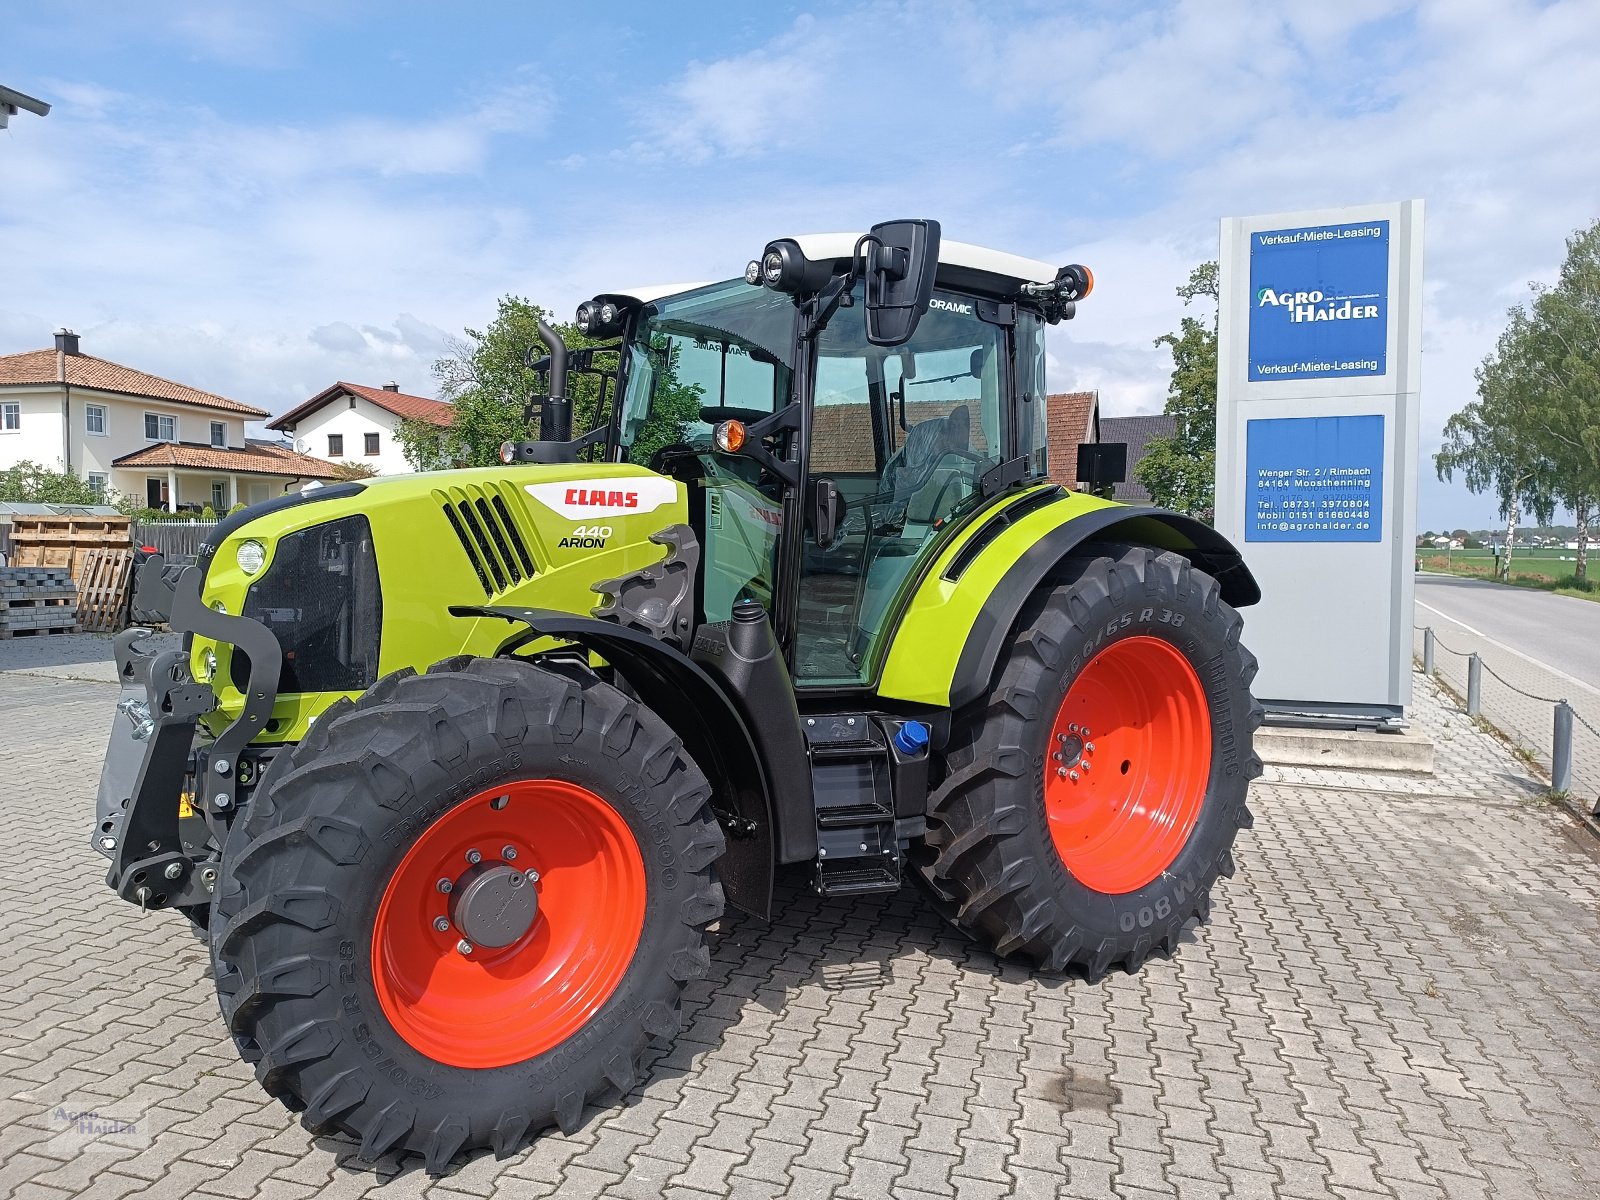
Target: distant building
point(167, 444)
point(350, 422)
point(1072, 418)
point(1138, 433)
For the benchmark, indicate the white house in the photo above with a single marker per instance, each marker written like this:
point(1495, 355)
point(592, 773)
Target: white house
point(139, 435)
point(350, 422)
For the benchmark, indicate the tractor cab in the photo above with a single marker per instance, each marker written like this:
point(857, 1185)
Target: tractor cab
point(827, 453)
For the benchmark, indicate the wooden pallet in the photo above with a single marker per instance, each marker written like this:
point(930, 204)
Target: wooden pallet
point(65, 542)
point(103, 589)
point(6, 634)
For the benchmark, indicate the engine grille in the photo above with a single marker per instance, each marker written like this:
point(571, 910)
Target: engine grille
point(483, 523)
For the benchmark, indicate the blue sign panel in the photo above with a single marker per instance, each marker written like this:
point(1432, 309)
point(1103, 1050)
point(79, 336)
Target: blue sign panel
point(1314, 479)
point(1319, 301)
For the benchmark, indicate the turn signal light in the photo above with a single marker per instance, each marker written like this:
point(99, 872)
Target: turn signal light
point(728, 436)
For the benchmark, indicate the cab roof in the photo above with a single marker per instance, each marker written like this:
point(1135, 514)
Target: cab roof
point(961, 265)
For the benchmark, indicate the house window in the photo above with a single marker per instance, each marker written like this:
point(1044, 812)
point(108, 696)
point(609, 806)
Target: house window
point(219, 492)
point(158, 428)
point(10, 417)
point(219, 435)
point(97, 482)
point(155, 492)
point(372, 444)
point(335, 445)
point(94, 418)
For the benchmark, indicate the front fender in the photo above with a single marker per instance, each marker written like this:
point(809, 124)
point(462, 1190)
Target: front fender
point(711, 726)
point(946, 647)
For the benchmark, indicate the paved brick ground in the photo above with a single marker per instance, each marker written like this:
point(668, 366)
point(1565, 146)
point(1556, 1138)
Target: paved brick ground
point(1396, 996)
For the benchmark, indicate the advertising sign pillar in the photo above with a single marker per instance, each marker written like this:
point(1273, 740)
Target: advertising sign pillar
point(1318, 398)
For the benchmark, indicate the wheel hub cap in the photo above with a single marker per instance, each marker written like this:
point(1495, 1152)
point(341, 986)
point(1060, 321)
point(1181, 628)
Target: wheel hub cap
point(493, 905)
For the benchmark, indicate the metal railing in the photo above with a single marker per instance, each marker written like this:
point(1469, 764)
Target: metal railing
point(1561, 737)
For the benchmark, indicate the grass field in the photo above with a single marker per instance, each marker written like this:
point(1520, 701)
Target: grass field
point(1549, 570)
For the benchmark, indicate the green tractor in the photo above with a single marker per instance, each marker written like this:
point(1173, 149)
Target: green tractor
point(454, 770)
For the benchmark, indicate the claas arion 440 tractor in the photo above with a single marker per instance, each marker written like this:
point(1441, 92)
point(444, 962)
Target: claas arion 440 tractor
point(456, 769)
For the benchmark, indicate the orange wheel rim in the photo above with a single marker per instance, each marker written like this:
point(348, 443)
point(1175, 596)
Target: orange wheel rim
point(492, 1006)
point(1128, 764)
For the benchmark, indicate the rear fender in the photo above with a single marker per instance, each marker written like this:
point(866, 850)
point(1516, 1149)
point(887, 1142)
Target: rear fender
point(711, 726)
point(956, 626)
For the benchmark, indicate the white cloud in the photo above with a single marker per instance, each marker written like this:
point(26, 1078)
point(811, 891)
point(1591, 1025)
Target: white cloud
point(275, 256)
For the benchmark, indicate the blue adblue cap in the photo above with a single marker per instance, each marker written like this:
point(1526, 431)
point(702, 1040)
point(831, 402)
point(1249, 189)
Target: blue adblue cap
point(911, 738)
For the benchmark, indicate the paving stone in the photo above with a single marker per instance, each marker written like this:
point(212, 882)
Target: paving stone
point(1392, 998)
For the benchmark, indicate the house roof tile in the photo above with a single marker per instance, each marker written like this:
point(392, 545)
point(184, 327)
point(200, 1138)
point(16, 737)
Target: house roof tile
point(401, 404)
point(256, 458)
point(84, 370)
point(1137, 432)
point(1073, 418)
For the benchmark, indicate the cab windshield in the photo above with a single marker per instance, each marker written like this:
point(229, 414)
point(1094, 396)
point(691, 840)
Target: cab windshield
point(716, 353)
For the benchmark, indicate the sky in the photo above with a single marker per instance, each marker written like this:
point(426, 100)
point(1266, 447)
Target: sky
point(261, 199)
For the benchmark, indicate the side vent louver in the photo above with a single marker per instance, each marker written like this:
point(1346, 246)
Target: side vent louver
point(483, 524)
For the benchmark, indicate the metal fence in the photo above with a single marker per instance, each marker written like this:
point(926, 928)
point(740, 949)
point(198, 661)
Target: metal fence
point(175, 539)
point(1552, 720)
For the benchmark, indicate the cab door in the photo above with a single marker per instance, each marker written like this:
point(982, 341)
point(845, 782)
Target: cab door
point(905, 434)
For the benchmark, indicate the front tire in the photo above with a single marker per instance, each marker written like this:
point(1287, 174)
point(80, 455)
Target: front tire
point(553, 820)
point(1092, 798)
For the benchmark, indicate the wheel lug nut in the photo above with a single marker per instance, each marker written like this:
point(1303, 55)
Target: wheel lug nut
point(464, 946)
point(474, 857)
point(1061, 772)
point(1073, 776)
point(1084, 765)
point(509, 853)
point(444, 885)
point(1072, 728)
point(441, 923)
point(533, 876)
point(1089, 747)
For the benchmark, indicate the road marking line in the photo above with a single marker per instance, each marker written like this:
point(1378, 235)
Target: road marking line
point(1588, 687)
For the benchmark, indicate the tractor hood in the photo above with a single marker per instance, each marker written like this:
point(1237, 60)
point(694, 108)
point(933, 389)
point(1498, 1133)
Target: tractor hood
point(357, 580)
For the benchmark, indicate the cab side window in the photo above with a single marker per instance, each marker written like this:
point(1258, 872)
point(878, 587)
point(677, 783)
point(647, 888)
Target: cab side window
point(905, 434)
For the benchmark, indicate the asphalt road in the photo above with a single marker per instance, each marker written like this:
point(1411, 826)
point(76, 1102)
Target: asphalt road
point(1560, 633)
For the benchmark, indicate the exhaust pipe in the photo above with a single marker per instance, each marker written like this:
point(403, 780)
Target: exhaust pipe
point(555, 416)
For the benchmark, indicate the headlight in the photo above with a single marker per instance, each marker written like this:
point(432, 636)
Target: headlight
point(752, 271)
point(218, 606)
point(585, 318)
point(250, 556)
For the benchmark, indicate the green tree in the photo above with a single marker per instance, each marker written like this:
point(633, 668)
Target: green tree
point(30, 483)
point(1180, 471)
point(488, 379)
point(1561, 359)
point(491, 387)
point(1495, 442)
point(353, 470)
point(1533, 435)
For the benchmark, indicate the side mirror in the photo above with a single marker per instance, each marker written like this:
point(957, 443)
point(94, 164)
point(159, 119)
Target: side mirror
point(900, 260)
point(827, 513)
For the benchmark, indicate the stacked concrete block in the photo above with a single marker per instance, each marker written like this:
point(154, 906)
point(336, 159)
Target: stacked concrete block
point(35, 601)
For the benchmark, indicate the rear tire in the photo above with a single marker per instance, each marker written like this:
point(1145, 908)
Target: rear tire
point(1035, 864)
point(332, 974)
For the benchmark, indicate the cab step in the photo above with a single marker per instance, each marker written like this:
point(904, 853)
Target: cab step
point(871, 796)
